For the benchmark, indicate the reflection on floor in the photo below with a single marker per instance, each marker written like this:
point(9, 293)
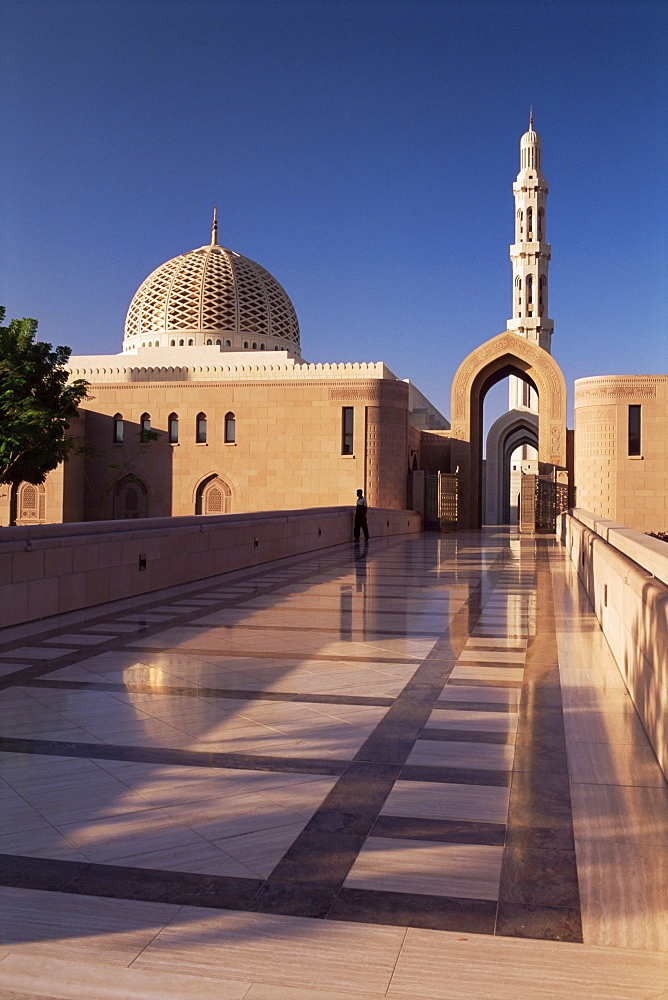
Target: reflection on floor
point(333, 766)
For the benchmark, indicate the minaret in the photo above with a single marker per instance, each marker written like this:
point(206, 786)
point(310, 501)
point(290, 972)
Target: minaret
point(530, 257)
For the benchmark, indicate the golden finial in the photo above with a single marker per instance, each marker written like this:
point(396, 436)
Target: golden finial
point(531, 118)
point(214, 228)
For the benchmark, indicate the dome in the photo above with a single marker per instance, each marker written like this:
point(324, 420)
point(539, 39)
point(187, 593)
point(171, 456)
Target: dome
point(212, 296)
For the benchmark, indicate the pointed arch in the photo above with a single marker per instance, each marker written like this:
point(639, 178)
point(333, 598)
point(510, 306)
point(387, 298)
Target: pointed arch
point(30, 503)
point(506, 354)
point(213, 496)
point(130, 498)
point(508, 432)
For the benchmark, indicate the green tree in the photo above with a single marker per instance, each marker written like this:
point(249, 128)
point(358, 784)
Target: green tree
point(36, 403)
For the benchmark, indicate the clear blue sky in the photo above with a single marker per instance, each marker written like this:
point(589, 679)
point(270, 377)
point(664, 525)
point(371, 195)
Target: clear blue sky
point(363, 152)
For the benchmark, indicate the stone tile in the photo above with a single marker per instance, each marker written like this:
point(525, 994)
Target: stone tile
point(66, 980)
point(459, 870)
point(476, 803)
point(290, 951)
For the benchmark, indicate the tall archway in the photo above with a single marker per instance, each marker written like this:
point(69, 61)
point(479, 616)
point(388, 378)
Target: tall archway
point(511, 430)
point(506, 354)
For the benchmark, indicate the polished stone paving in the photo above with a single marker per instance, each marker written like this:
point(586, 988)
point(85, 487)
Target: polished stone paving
point(323, 778)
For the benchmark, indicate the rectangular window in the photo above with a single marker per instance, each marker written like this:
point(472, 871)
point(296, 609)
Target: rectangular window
point(634, 430)
point(347, 428)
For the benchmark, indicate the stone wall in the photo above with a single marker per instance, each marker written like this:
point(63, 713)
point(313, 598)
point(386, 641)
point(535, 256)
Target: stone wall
point(625, 484)
point(51, 568)
point(625, 574)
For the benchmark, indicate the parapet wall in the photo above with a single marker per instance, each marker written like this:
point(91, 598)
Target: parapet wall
point(48, 569)
point(625, 574)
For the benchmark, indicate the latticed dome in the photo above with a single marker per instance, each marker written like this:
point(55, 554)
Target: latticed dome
point(212, 296)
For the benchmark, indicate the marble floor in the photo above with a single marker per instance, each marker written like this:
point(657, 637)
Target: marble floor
point(408, 769)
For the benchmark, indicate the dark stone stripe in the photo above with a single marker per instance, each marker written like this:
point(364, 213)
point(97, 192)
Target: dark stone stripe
point(189, 758)
point(440, 831)
point(199, 692)
point(403, 909)
point(123, 882)
point(317, 629)
point(455, 776)
point(354, 805)
point(539, 894)
point(536, 920)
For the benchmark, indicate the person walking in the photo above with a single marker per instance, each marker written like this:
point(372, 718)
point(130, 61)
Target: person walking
point(361, 509)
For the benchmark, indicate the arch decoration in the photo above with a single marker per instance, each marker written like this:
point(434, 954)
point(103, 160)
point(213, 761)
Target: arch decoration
point(213, 496)
point(503, 355)
point(511, 430)
point(130, 498)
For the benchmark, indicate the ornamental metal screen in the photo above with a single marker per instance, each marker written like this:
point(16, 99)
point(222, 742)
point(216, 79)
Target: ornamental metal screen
point(442, 500)
point(541, 501)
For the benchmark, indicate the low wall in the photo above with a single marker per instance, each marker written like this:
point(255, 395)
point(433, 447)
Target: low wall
point(46, 569)
point(625, 574)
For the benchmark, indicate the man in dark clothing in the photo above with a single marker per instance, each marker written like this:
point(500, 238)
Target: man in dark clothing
point(360, 517)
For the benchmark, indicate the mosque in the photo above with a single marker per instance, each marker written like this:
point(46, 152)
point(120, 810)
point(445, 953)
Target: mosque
point(211, 365)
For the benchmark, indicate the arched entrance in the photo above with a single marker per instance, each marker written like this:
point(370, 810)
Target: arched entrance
point(506, 354)
point(512, 430)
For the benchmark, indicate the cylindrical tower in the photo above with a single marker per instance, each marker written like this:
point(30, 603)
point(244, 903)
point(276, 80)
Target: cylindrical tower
point(530, 257)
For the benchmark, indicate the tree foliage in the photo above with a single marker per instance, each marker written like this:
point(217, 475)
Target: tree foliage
point(36, 403)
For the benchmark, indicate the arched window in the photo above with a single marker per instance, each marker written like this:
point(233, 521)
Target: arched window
point(190, 343)
point(245, 345)
point(144, 423)
point(520, 225)
point(518, 295)
point(529, 284)
point(254, 345)
point(217, 343)
point(214, 496)
point(150, 343)
point(209, 343)
point(172, 343)
point(200, 428)
point(230, 428)
point(173, 428)
point(130, 498)
point(541, 290)
point(118, 428)
point(541, 219)
point(228, 343)
point(529, 223)
point(261, 347)
point(181, 343)
point(30, 504)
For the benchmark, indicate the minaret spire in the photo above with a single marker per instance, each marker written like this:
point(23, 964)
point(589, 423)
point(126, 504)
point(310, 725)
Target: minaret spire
point(214, 227)
point(530, 256)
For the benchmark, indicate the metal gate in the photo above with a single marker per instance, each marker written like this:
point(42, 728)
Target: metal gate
point(441, 500)
point(541, 501)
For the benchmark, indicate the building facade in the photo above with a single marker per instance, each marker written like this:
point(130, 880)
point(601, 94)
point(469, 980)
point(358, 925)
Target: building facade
point(210, 408)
